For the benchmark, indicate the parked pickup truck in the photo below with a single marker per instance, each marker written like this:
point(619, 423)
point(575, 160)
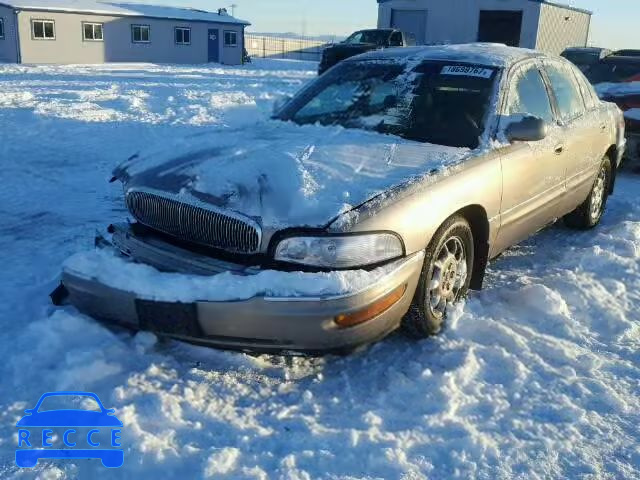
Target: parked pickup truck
point(364, 41)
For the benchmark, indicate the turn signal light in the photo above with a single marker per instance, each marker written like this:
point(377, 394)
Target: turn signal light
point(347, 320)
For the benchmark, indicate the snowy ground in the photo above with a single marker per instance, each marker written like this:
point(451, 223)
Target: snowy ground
point(537, 377)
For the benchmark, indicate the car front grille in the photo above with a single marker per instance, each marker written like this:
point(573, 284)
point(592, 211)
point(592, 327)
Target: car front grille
point(194, 223)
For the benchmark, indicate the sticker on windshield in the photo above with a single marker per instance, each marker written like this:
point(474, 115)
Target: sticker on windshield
point(467, 71)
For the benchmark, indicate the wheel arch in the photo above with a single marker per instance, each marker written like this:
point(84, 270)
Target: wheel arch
point(478, 220)
point(612, 153)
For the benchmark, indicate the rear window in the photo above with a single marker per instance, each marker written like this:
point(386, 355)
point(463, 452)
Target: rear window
point(435, 102)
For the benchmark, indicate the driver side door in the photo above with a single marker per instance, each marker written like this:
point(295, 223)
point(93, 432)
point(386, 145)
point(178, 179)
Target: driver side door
point(533, 173)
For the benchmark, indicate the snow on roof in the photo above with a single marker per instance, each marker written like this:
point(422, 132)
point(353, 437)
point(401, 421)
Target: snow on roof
point(123, 9)
point(490, 54)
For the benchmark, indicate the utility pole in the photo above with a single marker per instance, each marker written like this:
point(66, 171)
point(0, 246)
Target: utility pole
point(233, 9)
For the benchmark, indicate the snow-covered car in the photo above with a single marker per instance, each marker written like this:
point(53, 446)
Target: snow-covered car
point(617, 80)
point(373, 199)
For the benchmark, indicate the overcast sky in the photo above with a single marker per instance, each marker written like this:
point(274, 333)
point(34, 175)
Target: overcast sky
point(616, 23)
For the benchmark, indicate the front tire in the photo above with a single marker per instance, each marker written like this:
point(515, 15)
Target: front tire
point(445, 279)
point(589, 214)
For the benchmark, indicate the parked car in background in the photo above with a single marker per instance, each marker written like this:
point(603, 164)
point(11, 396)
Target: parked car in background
point(398, 174)
point(584, 57)
point(627, 53)
point(364, 41)
point(617, 79)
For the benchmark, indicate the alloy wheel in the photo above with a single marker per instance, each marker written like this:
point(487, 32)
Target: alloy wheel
point(448, 276)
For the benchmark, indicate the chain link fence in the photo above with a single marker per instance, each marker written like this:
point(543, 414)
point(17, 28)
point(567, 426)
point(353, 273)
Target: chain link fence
point(301, 48)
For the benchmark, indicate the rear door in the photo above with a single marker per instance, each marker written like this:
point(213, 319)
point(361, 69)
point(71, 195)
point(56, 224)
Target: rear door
point(533, 172)
point(581, 134)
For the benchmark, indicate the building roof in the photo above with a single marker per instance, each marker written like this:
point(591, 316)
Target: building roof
point(548, 2)
point(488, 54)
point(125, 9)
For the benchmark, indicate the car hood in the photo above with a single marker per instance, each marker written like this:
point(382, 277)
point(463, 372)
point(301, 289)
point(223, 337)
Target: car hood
point(282, 174)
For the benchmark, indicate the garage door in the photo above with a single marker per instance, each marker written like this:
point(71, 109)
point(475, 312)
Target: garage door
point(411, 21)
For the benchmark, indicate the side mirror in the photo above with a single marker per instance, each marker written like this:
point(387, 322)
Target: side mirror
point(529, 129)
point(280, 102)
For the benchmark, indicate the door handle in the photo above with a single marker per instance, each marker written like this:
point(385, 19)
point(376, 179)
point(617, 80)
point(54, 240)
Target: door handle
point(603, 127)
point(559, 149)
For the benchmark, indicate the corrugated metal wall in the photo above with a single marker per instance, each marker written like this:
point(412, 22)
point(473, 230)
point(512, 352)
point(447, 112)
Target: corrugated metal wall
point(456, 21)
point(561, 28)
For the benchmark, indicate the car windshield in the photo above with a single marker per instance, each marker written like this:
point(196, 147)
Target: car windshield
point(443, 103)
point(614, 73)
point(376, 37)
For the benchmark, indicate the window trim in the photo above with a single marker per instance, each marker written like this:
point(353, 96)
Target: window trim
point(230, 45)
point(2, 34)
point(43, 20)
point(546, 64)
point(93, 24)
point(147, 26)
point(175, 36)
point(513, 74)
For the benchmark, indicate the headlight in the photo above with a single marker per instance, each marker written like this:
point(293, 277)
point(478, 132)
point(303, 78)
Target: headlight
point(346, 251)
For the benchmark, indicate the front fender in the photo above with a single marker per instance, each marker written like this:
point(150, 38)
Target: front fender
point(417, 210)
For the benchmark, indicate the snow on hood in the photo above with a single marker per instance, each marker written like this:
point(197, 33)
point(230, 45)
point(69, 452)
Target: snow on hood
point(283, 174)
point(617, 89)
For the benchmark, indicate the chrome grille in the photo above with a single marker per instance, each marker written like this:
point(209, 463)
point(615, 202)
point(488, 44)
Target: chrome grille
point(192, 223)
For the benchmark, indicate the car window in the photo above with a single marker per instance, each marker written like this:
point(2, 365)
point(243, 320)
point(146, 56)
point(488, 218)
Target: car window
point(396, 39)
point(610, 72)
point(588, 93)
point(529, 96)
point(435, 102)
point(566, 91)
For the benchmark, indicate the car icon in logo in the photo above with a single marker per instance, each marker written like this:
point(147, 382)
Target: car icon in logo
point(76, 428)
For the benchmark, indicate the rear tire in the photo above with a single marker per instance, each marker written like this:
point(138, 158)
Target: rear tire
point(589, 214)
point(445, 279)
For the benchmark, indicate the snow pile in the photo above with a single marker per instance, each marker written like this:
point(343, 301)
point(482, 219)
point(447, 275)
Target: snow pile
point(115, 271)
point(536, 377)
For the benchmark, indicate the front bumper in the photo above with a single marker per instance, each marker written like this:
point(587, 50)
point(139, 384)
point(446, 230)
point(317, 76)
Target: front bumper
point(260, 323)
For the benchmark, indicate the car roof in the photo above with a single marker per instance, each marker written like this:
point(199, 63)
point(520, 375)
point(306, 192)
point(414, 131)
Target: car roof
point(488, 54)
point(586, 49)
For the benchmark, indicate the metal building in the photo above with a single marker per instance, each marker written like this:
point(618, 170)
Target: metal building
point(97, 31)
point(538, 24)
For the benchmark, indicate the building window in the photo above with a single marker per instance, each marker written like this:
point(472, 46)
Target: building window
point(1, 28)
point(230, 38)
point(92, 32)
point(140, 33)
point(43, 29)
point(183, 36)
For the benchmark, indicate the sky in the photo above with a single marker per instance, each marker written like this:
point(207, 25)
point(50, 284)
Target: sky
point(615, 22)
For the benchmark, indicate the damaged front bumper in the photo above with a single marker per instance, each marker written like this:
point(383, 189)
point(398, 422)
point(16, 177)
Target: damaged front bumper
point(265, 322)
